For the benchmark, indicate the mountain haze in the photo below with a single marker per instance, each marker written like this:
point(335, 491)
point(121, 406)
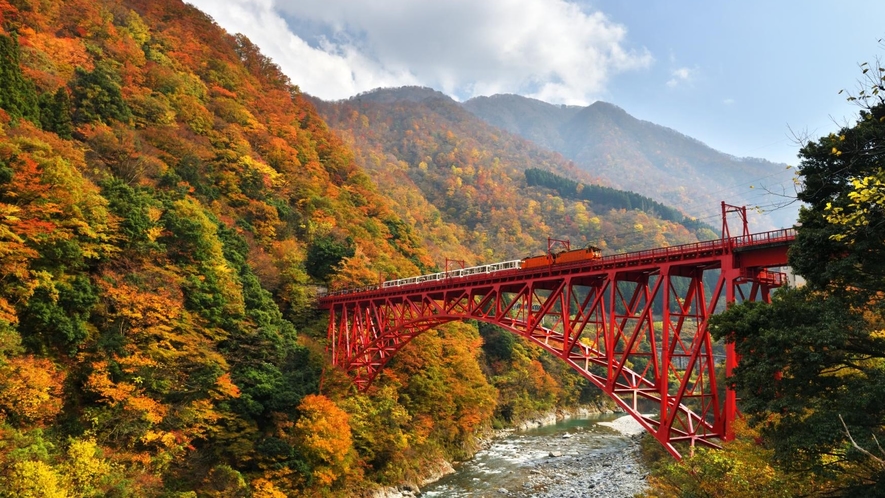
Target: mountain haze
point(450, 170)
point(643, 157)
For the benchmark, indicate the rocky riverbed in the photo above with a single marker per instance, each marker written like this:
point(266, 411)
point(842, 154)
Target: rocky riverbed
point(574, 458)
point(613, 473)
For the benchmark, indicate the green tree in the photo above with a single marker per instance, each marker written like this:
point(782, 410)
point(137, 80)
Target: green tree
point(55, 112)
point(816, 355)
point(17, 94)
point(806, 359)
point(742, 469)
point(839, 247)
point(97, 96)
point(324, 255)
point(138, 211)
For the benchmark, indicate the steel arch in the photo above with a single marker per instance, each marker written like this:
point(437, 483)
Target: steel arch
point(634, 325)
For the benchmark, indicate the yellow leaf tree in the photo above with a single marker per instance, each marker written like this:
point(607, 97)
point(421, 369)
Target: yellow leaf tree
point(323, 432)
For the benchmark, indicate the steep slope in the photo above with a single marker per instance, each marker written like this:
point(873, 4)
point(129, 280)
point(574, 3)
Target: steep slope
point(637, 155)
point(529, 118)
point(449, 171)
point(169, 203)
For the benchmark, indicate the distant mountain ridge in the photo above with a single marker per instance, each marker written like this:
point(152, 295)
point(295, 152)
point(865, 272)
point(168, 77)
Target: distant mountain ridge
point(638, 155)
point(454, 176)
point(401, 94)
point(627, 153)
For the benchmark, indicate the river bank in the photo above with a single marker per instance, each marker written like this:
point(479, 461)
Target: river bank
point(552, 417)
point(443, 468)
point(592, 456)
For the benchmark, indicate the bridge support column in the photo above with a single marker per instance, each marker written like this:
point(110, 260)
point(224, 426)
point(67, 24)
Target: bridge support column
point(730, 410)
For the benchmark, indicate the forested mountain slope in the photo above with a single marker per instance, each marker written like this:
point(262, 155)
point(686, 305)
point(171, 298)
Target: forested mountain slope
point(643, 157)
point(169, 204)
point(456, 178)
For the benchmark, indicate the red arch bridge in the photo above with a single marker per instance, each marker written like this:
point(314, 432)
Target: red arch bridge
point(633, 324)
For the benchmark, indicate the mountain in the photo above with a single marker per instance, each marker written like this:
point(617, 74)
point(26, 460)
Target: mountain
point(643, 157)
point(529, 118)
point(170, 204)
point(453, 176)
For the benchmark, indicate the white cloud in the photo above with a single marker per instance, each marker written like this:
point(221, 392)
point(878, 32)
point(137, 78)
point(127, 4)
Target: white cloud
point(548, 49)
point(681, 75)
point(728, 101)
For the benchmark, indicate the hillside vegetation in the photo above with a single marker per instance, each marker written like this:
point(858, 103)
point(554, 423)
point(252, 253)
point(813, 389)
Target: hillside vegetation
point(639, 156)
point(602, 197)
point(455, 178)
point(169, 200)
point(169, 205)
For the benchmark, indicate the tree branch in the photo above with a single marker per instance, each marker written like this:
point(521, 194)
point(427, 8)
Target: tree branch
point(858, 448)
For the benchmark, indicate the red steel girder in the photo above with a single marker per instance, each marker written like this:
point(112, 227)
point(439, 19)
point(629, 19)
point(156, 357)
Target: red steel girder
point(634, 325)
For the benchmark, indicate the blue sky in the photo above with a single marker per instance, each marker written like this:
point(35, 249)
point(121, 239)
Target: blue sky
point(737, 75)
point(756, 69)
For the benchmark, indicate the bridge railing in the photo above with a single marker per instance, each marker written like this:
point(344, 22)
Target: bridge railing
point(432, 277)
point(762, 238)
point(457, 273)
point(772, 237)
point(662, 252)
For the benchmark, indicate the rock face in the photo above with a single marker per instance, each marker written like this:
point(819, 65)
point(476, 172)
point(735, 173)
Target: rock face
point(433, 473)
point(398, 492)
point(540, 420)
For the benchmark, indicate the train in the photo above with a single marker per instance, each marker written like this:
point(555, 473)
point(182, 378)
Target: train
point(588, 253)
point(550, 259)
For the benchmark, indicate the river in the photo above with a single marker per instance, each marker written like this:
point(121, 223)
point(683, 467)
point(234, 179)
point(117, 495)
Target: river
point(574, 458)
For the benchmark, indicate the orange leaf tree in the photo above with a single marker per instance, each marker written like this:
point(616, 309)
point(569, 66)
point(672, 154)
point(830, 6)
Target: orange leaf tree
point(323, 432)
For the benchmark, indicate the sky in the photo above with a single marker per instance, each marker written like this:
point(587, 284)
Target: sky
point(745, 77)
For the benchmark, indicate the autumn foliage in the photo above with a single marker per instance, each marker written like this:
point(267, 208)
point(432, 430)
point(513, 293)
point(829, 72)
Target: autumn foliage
point(463, 185)
point(30, 391)
point(161, 186)
point(170, 204)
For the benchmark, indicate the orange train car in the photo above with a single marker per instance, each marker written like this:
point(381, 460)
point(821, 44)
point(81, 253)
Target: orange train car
point(584, 254)
point(537, 262)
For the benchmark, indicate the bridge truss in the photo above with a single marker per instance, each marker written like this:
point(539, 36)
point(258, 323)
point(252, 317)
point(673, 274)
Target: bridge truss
point(634, 325)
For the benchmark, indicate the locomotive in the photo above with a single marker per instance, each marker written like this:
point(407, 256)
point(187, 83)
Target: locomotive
point(584, 254)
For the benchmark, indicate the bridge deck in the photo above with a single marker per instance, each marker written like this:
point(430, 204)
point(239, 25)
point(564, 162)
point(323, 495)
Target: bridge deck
point(751, 250)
